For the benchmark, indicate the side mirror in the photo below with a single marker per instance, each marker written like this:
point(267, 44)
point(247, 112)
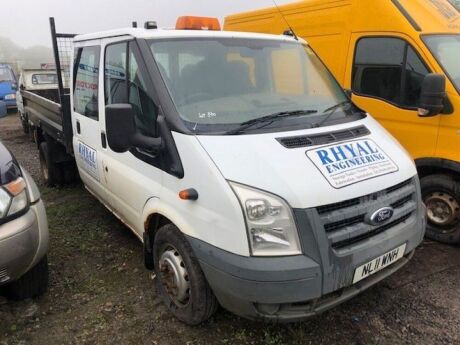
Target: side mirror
point(122, 134)
point(22, 87)
point(432, 95)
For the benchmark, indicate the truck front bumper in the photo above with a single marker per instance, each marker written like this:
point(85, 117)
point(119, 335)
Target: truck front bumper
point(23, 242)
point(297, 287)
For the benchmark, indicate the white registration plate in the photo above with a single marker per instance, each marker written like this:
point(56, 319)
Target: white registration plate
point(379, 263)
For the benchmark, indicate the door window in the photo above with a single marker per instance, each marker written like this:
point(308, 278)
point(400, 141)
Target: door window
point(86, 75)
point(125, 83)
point(390, 69)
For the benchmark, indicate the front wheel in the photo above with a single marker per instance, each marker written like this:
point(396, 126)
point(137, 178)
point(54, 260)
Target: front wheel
point(179, 278)
point(441, 195)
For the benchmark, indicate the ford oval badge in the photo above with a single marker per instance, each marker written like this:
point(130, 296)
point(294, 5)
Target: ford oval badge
point(381, 216)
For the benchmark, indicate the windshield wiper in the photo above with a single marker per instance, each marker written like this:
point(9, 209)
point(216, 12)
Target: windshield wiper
point(269, 118)
point(331, 111)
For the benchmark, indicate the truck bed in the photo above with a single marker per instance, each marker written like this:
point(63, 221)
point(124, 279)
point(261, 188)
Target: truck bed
point(44, 111)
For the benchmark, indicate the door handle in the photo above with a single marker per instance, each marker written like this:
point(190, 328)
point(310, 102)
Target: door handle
point(78, 127)
point(103, 140)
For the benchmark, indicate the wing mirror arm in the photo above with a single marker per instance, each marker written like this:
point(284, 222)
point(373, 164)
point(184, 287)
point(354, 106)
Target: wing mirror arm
point(147, 143)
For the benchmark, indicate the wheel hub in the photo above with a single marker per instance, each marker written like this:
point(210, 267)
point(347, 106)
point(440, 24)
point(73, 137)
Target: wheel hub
point(174, 276)
point(442, 209)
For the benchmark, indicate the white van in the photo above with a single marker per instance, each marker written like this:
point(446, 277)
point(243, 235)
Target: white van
point(249, 175)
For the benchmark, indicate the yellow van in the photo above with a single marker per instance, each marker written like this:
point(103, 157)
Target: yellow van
point(385, 52)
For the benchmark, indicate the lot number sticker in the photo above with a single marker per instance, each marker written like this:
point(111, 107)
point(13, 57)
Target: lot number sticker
point(351, 162)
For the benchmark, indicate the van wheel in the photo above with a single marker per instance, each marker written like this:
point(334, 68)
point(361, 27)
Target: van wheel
point(69, 172)
point(180, 280)
point(441, 195)
point(32, 284)
point(51, 172)
point(32, 134)
point(25, 125)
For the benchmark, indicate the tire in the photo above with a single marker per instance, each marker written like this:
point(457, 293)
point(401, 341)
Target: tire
point(199, 303)
point(25, 125)
point(32, 134)
point(32, 284)
point(69, 172)
point(51, 172)
point(441, 195)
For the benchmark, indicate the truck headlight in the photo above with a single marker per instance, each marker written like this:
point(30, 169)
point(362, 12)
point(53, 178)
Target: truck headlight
point(270, 223)
point(13, 198)
point(10, 97)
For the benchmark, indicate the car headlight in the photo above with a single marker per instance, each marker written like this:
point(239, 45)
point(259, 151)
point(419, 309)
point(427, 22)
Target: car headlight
point(10, 97)
point(13, 198)
point(270, 223)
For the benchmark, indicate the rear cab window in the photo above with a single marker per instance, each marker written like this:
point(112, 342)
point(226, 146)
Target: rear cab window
point(86, 81)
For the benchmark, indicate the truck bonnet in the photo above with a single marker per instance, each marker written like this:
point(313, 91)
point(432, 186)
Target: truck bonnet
point(310, 176)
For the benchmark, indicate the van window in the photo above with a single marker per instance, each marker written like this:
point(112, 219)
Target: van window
point(115, 74)
point(388, 68)
point(124, 83)
point(144, 107)
point(86, 71)
point(446, 50)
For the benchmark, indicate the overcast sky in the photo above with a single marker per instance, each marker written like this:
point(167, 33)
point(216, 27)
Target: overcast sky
point(26, 21)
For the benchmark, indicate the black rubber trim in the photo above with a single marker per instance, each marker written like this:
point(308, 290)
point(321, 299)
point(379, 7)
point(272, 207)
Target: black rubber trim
point(438, 163)
point(407, 15)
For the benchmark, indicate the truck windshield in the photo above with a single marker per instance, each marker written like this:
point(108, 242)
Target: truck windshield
point(446, 49)
point(219, 85)
point(6, 74)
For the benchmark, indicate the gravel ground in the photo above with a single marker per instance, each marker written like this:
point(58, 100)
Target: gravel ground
point(101, 294)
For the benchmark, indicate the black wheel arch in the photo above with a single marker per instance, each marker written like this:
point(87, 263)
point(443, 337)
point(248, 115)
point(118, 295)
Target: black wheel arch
point(431, 166)
point(154, 222)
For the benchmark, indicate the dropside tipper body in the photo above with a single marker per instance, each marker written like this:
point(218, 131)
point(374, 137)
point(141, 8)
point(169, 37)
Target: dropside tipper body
point(326, 186)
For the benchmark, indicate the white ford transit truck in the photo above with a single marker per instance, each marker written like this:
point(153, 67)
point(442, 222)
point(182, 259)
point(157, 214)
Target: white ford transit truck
point(250, 177)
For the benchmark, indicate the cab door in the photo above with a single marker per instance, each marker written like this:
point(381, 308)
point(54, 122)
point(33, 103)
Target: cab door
point(385, 75)
point(88, 140)
point(135, 176)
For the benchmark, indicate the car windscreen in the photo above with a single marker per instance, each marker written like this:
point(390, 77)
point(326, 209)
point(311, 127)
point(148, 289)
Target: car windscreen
point(220, 83)
point(446, 49)
point(49, 78)
point(6, 74)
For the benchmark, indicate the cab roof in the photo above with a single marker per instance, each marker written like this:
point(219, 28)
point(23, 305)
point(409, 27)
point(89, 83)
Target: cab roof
point(171, 33)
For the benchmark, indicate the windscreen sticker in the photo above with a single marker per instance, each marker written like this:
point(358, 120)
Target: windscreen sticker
point(351, 162)
point(88, 157)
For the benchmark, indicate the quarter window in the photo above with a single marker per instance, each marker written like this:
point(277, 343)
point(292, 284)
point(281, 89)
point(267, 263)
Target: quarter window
point(86, 72)
point(388, 68)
